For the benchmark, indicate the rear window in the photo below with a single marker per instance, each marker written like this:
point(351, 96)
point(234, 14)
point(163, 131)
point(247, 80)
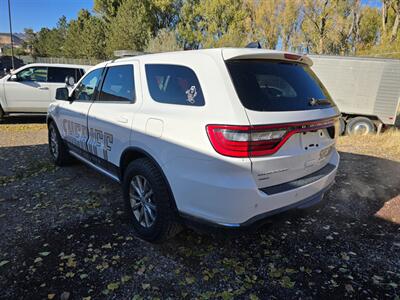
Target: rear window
point(59, 75)
point(174, 84)
point(277, 86)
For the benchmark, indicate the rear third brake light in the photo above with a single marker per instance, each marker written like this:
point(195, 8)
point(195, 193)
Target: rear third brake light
point(292, 56)
point(253, 141)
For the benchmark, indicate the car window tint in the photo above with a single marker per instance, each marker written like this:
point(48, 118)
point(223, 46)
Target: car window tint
point(174, 84)
point(265, 85)
point(38, 74)
point(60, 74)
point(118, 84)
point(86, 88)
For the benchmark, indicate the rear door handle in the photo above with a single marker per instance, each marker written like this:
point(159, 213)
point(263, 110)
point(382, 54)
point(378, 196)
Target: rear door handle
point(43, 88)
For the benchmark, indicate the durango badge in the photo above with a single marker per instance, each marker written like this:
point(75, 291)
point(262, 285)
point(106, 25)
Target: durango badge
point(191, 94)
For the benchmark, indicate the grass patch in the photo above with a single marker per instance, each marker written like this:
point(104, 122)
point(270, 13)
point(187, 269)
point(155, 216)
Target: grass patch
point(385, 145)
point(21, 127)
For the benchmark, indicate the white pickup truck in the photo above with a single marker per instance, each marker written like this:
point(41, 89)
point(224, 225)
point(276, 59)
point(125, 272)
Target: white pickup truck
point(31, 88)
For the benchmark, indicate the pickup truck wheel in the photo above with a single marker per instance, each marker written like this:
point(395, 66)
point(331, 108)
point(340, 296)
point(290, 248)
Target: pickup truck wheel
point(360, 126)
point(1, 113)
point(149, 202)
point(58, 150)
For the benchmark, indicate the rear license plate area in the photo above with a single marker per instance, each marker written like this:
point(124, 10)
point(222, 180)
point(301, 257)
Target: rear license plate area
point(311, 140)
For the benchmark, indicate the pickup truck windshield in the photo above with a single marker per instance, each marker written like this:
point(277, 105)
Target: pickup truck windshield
point(265, 85)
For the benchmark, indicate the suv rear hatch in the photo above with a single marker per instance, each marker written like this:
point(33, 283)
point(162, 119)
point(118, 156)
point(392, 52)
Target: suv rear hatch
point(291, 115)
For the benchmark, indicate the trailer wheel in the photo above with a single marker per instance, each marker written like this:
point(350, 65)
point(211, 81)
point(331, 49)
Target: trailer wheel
point(360, 126)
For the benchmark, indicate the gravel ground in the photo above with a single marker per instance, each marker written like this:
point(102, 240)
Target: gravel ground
point(65, 235)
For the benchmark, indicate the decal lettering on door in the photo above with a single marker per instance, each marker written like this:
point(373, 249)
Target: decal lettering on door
point(99, 142)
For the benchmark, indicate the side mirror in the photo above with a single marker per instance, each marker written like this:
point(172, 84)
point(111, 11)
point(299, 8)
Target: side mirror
point(14, 77)
point(62, 94)
point(69, 81)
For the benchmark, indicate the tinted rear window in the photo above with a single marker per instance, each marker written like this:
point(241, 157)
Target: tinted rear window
point(174, 85)
point(277, 86)
point(56, 74)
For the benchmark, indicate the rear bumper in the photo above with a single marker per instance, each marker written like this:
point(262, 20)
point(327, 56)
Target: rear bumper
point(238, 205)
point(256, 220)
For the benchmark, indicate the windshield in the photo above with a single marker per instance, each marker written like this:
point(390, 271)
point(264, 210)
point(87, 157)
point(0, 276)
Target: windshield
point(265, 85)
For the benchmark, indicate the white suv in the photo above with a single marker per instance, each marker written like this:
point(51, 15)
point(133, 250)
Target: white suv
point(221, 136)
point(31, 88)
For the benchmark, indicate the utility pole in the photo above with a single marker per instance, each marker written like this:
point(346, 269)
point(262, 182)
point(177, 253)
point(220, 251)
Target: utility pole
point(11, 35)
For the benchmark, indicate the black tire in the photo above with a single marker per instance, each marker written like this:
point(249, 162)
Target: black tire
point(1, 113)
point(61, 157)
point(342, 126)
point(165, 223)
point(360, 126)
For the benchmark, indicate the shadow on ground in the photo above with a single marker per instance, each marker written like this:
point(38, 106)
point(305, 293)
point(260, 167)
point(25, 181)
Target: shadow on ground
point(24, 119)
point(66, 231)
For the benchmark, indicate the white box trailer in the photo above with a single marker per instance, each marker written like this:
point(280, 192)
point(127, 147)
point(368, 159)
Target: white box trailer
point(366, 90)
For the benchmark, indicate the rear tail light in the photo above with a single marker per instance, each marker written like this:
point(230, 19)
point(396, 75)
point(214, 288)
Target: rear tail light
point(253, 141)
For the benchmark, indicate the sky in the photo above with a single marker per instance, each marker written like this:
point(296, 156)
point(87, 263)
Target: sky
point(36, 14)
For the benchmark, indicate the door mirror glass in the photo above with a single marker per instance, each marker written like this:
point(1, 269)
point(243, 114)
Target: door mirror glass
point(62, 94)
point(69, 81)
point(14, 77)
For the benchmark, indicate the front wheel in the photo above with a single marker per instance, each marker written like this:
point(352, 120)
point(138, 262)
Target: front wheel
point(149, 202)
point(58, 150)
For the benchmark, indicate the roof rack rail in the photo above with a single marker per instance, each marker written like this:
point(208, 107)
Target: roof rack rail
point(127, 53)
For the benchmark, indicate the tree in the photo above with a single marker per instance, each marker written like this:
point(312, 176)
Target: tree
point(369, 28)
point(131, 28)
point(166, 13)
point(163, 42)
point(289, 22)
point(30, 41)
point(212, 23)
point(107, 9)
point(317, 23)
point(74, 37)
point(85, 37)
point(264, 18)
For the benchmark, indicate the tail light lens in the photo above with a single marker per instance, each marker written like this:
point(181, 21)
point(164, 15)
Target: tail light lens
point(253, 141)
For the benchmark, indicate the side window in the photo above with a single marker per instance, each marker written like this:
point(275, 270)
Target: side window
point(174, 84)
point(60, 74)
point(118, 84)
point(86, 88)
point(38, 74)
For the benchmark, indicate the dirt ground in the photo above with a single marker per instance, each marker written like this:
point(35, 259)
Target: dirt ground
point(65, 235)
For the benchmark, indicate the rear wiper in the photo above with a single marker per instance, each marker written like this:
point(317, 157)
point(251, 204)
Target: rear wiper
point(314, 102)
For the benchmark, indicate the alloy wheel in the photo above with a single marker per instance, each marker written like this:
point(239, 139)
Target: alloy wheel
point(53, 142)
point(141, 200)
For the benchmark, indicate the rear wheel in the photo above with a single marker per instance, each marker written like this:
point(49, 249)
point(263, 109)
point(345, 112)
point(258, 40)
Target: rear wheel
point(360, 126)
point(149, 202)
point(58, 150)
